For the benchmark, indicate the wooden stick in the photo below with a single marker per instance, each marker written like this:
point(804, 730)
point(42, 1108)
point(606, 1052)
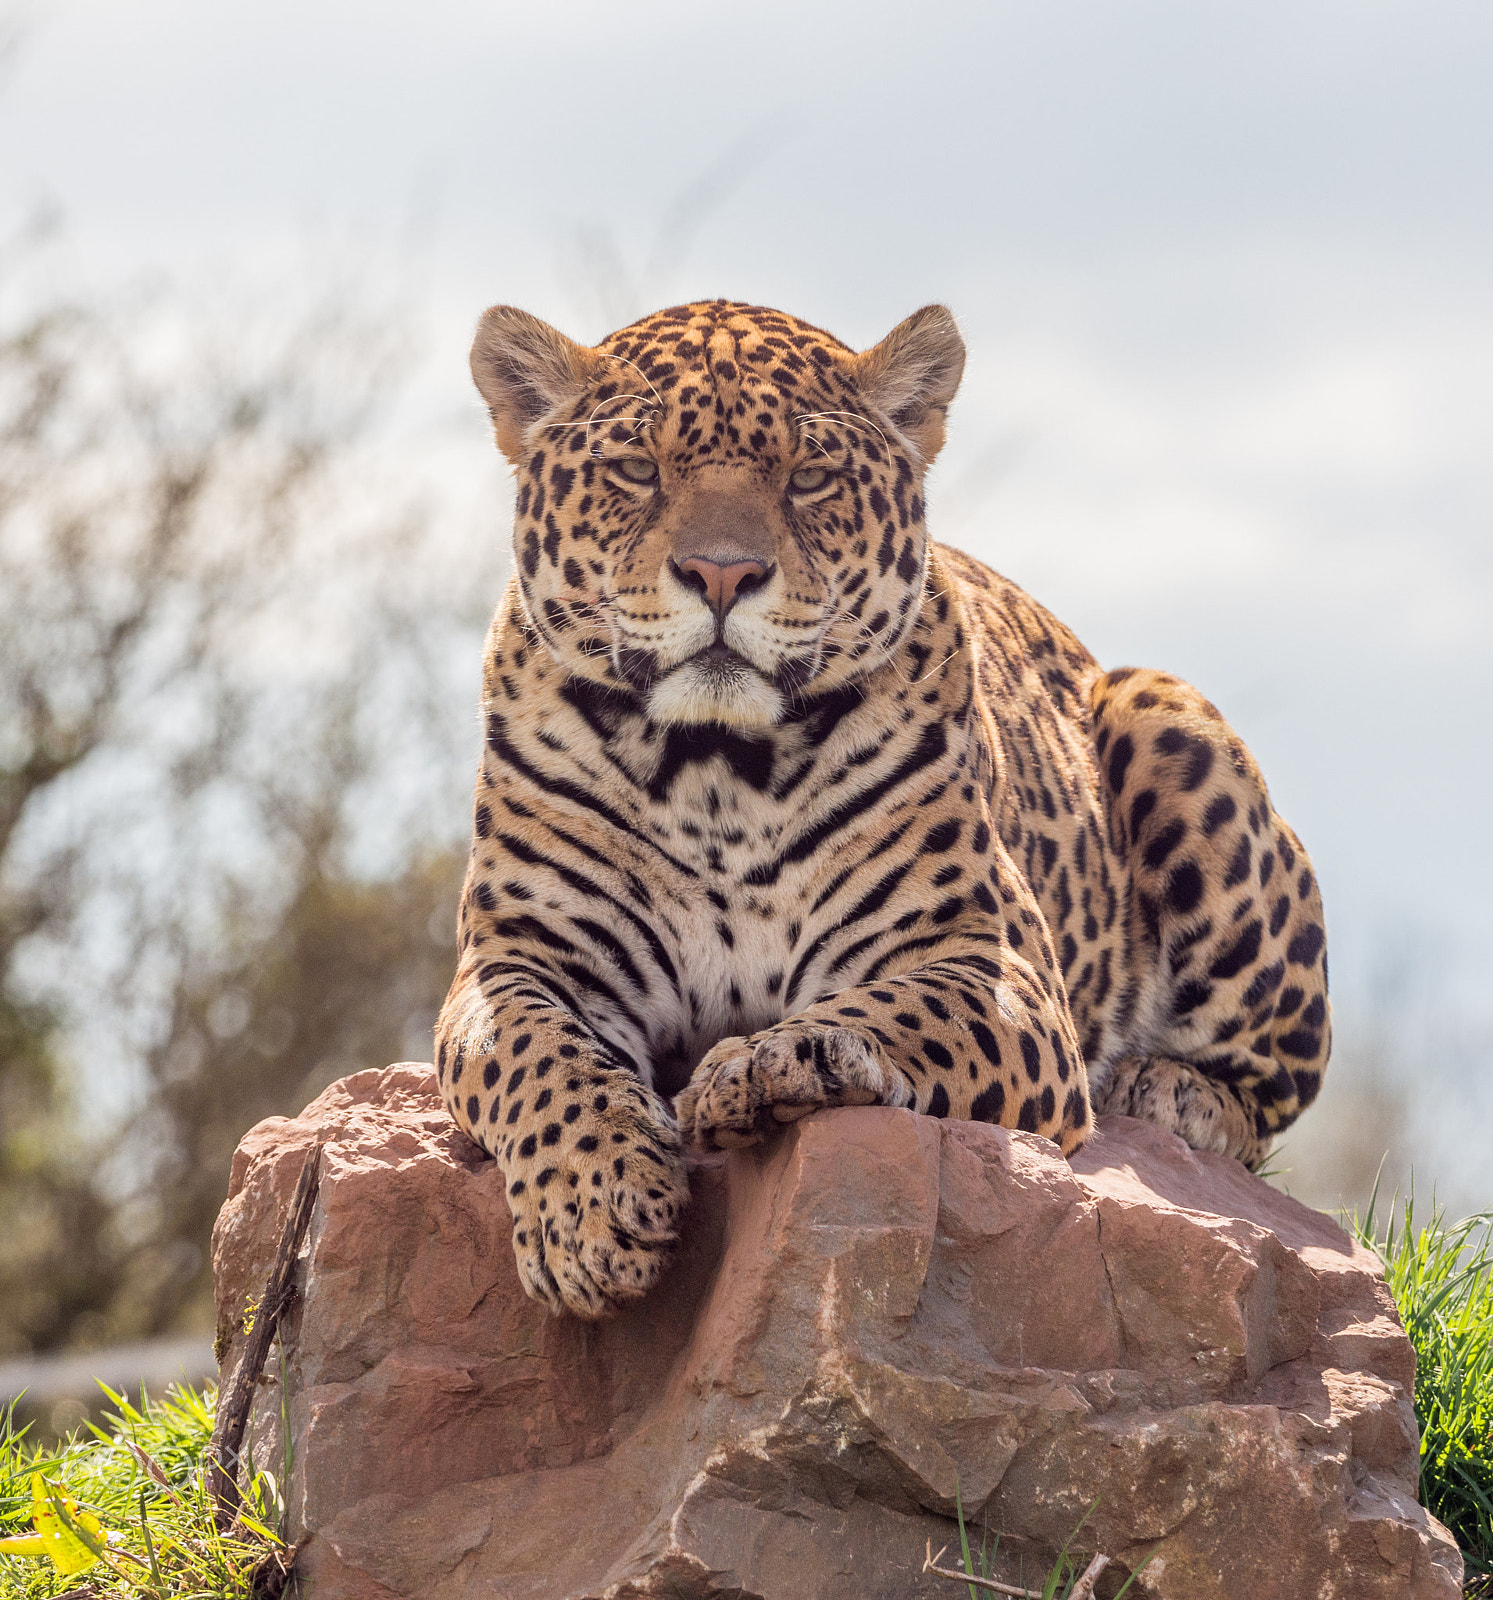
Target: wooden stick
point(233, 1408)
point(1084, 1588)
point(979, 1583)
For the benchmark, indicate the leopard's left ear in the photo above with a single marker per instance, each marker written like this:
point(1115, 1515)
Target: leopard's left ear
point(912, 375)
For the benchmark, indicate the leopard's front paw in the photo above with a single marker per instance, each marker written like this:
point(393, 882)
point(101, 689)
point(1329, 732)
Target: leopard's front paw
point(745, 1087)
point(596, 1212)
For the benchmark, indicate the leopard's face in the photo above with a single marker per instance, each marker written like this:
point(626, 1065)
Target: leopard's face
point(720, 508)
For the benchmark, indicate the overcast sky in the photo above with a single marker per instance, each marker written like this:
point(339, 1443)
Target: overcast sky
point(1224, 270)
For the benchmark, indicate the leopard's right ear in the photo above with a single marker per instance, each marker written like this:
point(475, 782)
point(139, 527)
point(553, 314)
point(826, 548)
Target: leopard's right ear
point(525, 370)
point(913, 375)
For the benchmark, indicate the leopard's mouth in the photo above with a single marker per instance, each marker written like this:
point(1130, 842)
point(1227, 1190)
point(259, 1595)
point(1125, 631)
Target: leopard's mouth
point(720, 660)
point(716, 684)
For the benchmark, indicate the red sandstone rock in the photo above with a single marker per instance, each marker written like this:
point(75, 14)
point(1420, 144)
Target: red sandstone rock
point(874, 1314)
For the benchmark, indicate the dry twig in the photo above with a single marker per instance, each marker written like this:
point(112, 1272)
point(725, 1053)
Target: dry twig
point(1082, 1590)
point(233, 1406)
point(269, 1579)
point(930, 1565)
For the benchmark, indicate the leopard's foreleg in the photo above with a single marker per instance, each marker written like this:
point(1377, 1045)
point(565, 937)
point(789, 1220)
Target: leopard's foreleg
point(594, 1168)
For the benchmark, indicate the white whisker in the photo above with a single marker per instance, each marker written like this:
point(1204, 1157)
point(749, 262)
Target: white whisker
point(602, 404)
point(643, 375)
point(942, 664)
point(853, 416)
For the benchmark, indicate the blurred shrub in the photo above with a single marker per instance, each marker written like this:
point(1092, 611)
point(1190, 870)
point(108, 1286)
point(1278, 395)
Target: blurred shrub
point(351, 975)
point(236, 672)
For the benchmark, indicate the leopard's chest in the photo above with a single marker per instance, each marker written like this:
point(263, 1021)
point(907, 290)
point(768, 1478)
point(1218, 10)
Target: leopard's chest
point(732, 938)
point(732, 958)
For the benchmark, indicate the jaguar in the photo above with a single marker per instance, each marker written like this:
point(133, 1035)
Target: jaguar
point(783, 807)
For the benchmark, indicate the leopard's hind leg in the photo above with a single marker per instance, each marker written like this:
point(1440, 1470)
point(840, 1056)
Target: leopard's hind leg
point(1228, 1030)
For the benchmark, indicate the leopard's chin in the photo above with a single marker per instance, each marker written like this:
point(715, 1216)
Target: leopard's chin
point(716, 686)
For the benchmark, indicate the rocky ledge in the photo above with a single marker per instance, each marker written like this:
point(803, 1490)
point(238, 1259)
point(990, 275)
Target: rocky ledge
point(873, 1318)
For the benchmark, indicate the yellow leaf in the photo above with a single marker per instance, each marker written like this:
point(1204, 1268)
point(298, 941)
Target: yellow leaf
point(70, 1549)
point(23, 1544)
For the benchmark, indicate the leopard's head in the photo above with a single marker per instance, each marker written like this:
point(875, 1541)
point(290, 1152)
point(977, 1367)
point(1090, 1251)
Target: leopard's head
point(720, 508)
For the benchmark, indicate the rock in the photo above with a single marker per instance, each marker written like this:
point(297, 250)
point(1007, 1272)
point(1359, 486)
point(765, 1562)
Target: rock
point(872, 1319)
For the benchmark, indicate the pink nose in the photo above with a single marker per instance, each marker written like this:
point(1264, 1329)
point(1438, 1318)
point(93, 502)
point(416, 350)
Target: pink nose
point(722, 584)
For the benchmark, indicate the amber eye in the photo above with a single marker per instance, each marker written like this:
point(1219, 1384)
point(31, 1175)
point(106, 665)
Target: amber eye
point(809, 478)
point(637, 469)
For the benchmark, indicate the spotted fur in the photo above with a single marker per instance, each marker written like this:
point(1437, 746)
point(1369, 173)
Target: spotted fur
point(869, 827)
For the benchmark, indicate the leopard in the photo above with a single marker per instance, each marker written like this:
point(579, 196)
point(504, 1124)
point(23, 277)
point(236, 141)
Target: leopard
point(783, 807)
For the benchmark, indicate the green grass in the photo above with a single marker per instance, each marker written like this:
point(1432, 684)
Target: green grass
point(162, 1540)
point(1441, 1276)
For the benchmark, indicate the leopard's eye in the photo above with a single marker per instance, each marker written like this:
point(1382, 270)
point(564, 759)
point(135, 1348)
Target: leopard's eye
point(637, 469)
point(809, 478)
